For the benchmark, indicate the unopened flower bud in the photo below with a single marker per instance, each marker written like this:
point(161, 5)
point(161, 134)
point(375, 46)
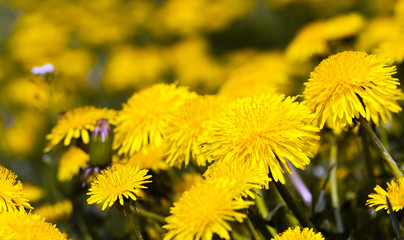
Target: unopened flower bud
point(101, 144)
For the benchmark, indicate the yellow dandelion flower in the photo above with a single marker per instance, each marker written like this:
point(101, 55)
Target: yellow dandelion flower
point(55, 212)
point(185, 127)
point(12, 197)
point(189, 17)
point(120, 74)
point(204, 211)
point(75, 124)
point(351, 84)
point(152, 158)
point(21, 138)
point(19, 225)
point(263, 73)
point(28, 92)
point(264, 130)
point(399, 12)
point(186, 183)
point(238, 58)
point(297, 233)
point(378, 30)
point(308, 42)
point(144, 118)
point(34, 193)
point(395, 193)
point(313, 38)
point(343, 26)
point(246, 175)
point(117, 182)
point(52, 38)
point(71, 162)
point(392, 49)
point(197, 49)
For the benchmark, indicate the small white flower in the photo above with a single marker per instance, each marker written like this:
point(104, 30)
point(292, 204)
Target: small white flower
point(42, 70)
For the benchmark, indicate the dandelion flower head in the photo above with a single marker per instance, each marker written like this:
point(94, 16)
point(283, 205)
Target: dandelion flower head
point(19, 225)
point(377, 31)
point(76, 123)
point(197, 49)
point(204, 211)
point(264, 130)
point(144, 118)
point(264, 73)
point(55, 212)
point(313, 39)
point(299, 234)
point(34, 193)
point(33, 93)
point(395, 193)
point(343, 25)
point(152, 158)
point(351, 84)
point(116, 183)
point(120, 74)
point(185, 127)
point(246, 175)
point(12, 198)
point(20, 139)
point(187, 181)
point(71, 162)
point(307, 43)
point(189, 17)
point(392, 49)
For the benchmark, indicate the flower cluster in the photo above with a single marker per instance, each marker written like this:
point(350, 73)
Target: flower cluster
point(15, 222)
point(200, 119)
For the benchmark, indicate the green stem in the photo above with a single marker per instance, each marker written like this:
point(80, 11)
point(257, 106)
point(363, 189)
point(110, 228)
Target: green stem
point(290, 201)
point(251, 227)
point(384, 138)
point(381, 150)
point(368, 160)
point(133, 211)
point(151, 215)
point(135, 226)
point(290, 219)
point(334, 185)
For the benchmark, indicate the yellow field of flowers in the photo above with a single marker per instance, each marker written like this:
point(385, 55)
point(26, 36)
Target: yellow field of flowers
point(201, 119)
